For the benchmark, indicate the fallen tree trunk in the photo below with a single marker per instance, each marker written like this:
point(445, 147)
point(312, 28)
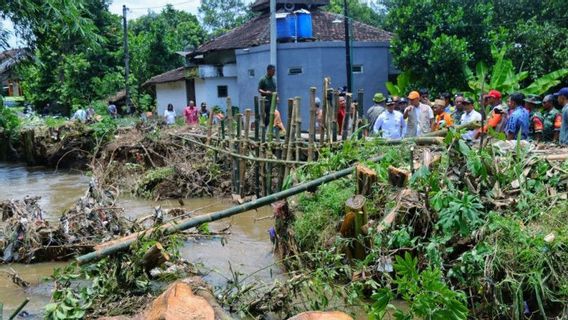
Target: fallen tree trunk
point(154, 257)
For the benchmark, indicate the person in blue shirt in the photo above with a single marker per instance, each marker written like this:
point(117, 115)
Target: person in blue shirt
point(518, 122)
point(562, 97)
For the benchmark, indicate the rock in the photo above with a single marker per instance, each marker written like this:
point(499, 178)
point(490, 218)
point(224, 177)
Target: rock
point(319, 315)
point(179, 302)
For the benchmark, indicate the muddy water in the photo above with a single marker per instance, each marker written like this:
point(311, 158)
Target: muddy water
point(246, 249)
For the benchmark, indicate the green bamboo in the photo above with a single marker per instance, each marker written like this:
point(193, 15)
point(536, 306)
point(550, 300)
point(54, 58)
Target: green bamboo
point(312, 129)
point(17, 311)
point(298, 127)
point(236, 148)
point(291, 133)
point(270, 135)
point(185, 224)
point(345, 127)
point(257, 149)
point(243, 149)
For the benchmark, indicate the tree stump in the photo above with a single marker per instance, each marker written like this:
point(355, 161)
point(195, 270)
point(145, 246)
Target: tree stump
point(398, 177)
point(366, 179)
point(355, 206)
point(154, 257)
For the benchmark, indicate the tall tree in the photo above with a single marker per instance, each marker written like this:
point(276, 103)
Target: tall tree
point(372, 13)
point(220, 16)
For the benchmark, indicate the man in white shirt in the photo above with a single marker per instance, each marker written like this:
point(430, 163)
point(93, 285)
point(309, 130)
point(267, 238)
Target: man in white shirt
point(469, 116)
point(420, 116)
point(390, 123)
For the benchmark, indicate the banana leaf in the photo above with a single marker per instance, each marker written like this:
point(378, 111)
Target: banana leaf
point(544, 83)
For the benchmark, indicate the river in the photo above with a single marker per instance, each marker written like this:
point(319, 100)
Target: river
point(247, 248)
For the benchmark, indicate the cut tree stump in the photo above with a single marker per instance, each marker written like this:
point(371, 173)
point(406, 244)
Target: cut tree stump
point(356, 206)
point(366, 179)
point(154, 257)
point(398, 177)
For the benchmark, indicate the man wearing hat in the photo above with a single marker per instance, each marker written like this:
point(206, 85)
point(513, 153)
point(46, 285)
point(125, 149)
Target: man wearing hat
point(498, 116)
point(375, 111)
point(518, 122)
point(469, 116)
point(419, 116)
point(536, 125)
point(551, 118)
point(562, 97)
point(390, 123)
point(493, 98)
point(442, 118)
point(458, 103)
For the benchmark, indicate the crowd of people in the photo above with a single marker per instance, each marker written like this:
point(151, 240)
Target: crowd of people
point(525, 117)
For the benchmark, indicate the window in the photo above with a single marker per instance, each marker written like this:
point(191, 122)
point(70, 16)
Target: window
point(357, 68)
point(251, 73)
point(222, 91)
point(294, 70)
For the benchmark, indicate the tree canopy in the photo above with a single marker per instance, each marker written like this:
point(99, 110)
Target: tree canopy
point(220, 16)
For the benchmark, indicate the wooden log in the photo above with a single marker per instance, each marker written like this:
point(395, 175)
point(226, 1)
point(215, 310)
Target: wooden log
point(298, 120)
point(257, 149)
point(201, 289)
point(444, 132)
point(154, 257)
point(345, 128)
point(366, 179)
point(390, 218)
point(398, 177)
point(312, 129)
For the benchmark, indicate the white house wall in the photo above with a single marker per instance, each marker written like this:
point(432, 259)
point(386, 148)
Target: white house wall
point(206, 91)
point(171, 92)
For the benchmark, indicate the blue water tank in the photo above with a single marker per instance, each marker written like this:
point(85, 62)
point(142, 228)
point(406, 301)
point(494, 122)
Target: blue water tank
point(291, 18)
point(304, 24)
point(282, 26)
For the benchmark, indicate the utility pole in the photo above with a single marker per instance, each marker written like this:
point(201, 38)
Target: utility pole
point(126, 58)
point(347, 46)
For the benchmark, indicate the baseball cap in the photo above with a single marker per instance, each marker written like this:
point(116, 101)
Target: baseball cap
point(379, 97)
point(467, 101)
point(562, 92)
point(494, 94)
point(402, 100)
point(390, 101)
point(548, 97)
point(318, 101)
point(532, 98)
point(413, 95)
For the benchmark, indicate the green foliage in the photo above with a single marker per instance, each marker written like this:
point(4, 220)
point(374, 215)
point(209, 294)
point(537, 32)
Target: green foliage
point(220, 16)
point(320, 210)
point(152, 178)
point(457, 212)
point(402, 86)
point(105, 129)
point(427, 295)
point(9, 122)
point(372, 12)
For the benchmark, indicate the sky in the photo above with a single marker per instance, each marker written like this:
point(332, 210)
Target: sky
point(136, 8)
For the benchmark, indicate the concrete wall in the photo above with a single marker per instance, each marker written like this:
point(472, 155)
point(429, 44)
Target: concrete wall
point(206, 91)
point(317, 60)
point(171, 92)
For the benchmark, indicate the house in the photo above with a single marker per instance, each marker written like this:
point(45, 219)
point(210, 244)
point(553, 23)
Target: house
point(232, 64)
point(9, 77)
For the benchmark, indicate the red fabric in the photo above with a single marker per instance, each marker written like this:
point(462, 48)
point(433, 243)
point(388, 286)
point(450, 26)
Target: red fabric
point(340, 117)
point(191, 115)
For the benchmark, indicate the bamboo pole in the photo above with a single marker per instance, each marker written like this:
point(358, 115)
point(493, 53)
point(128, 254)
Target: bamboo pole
point(210, 127)
point(298, 121)
point(236, 148)
point(312, 129)
point(230, 118)
point(263, 150)
point(291, 134)
point(244, 148)
point(360, 111)
point(169, 228)
point(345, 127)
point(323, 124)
point(257, 149)
point(270, 134)
point(334, 114)
point(18, 309)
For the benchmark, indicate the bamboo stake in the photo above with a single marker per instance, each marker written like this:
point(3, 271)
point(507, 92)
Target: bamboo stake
point(345, 127)
point(230, 118)
point(124, 243)
point(257, 150)
point(278, 154)
point(360, 111)
point(210, 127)
point(312, 129)
point(291, 134)
point(334, 114)
point(270, 136)
point(323, 124)
point(289, 137)
point(263, 139)
point(244, 148)
point(236, 148)
point(298, 127)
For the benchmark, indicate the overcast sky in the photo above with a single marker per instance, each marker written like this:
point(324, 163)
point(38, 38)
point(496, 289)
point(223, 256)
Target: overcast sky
point(136, 8)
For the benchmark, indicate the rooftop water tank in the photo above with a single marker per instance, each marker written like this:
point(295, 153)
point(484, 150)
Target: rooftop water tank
point(283, 26)
point(304, 18)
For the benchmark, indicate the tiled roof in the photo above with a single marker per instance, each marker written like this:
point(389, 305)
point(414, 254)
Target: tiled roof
point(261, 5)
point(256, 32)
point(169, 76)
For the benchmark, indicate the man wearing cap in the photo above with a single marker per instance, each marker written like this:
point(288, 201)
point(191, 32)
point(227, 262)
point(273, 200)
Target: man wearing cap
point(536, 125)
point(418, 115)
point(375, 111)
point(442, 119)
point(498, 116)
point(518, 122)
point(562, 97)
point(390, 123)
point(551, 118)
point(469, 116)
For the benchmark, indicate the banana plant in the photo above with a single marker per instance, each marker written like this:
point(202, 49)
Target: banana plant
point(402, 85)
point(504, 78)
